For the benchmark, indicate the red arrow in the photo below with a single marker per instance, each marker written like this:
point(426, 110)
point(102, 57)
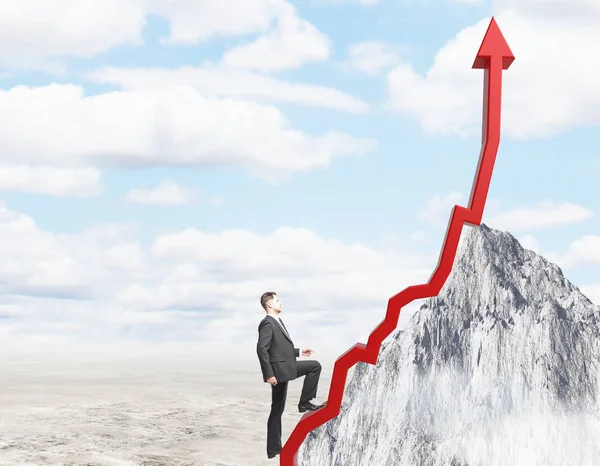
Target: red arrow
point(494, 55)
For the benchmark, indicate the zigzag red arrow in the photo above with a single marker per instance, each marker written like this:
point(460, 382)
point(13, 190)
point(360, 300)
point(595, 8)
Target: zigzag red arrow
point(494, 56)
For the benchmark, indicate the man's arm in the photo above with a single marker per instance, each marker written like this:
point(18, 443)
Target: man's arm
point(297, 351)
point(265, 333)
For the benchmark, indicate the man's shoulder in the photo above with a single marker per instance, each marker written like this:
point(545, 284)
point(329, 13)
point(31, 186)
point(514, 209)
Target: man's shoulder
point(265, 321)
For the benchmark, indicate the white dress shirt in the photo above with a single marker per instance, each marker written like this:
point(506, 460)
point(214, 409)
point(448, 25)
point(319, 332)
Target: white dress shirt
point(276, 317)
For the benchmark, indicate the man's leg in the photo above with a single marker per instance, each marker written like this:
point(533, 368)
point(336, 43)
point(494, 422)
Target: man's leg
point(312, 370)
point(278, 396)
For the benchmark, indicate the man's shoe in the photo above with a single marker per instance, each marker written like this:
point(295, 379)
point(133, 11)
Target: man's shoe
point(272, 455)
point(308, 406)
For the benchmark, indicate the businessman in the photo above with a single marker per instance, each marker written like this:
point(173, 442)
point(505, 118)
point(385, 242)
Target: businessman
point(278, 363)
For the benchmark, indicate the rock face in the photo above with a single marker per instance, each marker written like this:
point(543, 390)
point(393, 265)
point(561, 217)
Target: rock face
point(501, 368)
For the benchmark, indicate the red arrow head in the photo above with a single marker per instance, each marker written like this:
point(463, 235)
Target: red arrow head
point(493, 45)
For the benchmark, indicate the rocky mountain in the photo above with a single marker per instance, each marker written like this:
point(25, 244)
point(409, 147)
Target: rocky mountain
point(501, 368)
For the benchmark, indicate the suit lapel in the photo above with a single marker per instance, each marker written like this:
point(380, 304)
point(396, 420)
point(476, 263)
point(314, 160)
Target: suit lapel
point(281, 329)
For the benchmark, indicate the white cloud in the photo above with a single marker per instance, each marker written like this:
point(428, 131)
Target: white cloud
point(176, 127)
point(34, 33)
point(219, 81)
point(582, 252)
point(40, 33)
point(592, 292)
point(166, 193)
point(341, 2)
point(529, 242)
point(544, 215)
point(293, 43)
point(553, 9)
point(318, 275)
point(548, 89)
point(193, 21)
point(50, 180)
point(192, 284)
point(392, 241)
point(371, 57)
point(438, 208)
point(38, 263)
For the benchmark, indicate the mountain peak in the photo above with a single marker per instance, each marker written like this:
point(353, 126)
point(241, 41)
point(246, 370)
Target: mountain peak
point(485, 243)
point(500, 368)
point(494, 274)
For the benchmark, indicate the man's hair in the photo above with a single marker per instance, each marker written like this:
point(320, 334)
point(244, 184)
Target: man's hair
point(266, 297)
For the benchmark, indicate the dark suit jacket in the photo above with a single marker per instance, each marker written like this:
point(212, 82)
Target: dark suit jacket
point(276, 351)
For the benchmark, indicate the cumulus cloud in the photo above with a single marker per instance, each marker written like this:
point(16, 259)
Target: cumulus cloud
point(546, 214)
point(222, 81)
point(293, 43)
point(592, 292)
point(37, 263)
point(437, 209)
point(342, 2)
point(370, 57)
point(101, 283)
point(193, 21)
point(50, 180)
point(175, 127)
point(35, 33)
point(38, 33)
point(166, 193)
point(323, 281)
point(547, 90)
point(582, 252)
point(529, 242)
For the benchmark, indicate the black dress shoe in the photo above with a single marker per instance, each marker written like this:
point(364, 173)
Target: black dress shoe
point(308, 406)
point(272, 455)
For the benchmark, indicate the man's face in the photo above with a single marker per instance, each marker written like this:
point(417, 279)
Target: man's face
point(275, 304)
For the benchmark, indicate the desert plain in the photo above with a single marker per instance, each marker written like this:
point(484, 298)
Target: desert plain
point(187, 407)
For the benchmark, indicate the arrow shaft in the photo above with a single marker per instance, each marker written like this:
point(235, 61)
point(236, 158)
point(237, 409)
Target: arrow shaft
point(490, 138)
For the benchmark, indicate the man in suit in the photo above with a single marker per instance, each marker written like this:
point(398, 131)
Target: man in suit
point(278, 364)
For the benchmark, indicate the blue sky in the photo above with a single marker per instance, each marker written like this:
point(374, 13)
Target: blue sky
point(194, 169)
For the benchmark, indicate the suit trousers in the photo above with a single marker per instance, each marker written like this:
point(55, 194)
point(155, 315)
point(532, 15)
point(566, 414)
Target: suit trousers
point(312, 371)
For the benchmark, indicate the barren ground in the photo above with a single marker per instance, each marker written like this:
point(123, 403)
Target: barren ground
point(139, 410)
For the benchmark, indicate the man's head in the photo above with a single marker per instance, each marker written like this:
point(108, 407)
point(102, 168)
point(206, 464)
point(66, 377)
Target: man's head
point(270, 302)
